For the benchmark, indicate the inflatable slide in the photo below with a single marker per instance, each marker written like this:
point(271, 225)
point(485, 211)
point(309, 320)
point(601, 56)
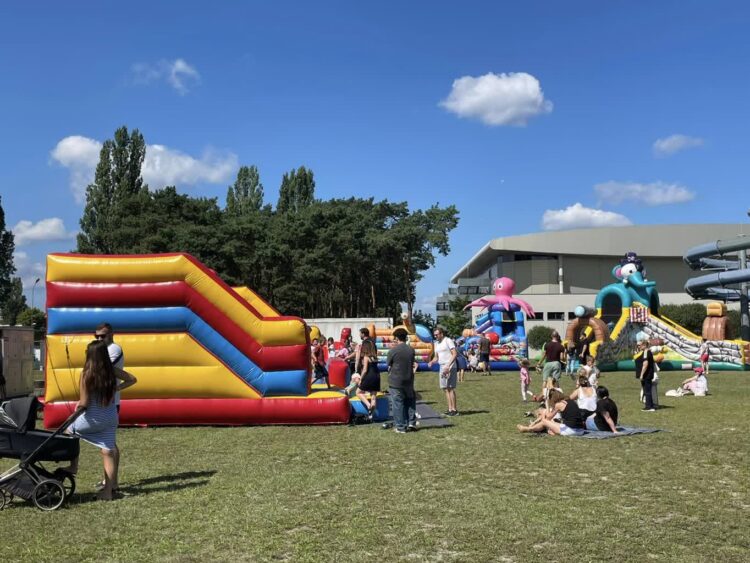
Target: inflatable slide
point(202, 352)
point(631, 306)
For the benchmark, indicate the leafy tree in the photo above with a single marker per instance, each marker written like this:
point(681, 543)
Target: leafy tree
point(246, 194)
point(7, 246)
point(539, 336)
point(36, 318)
point(455, 323)
point(14, 303)
point(414, 238)
point(116, 194)
point(297, 191)
point(688, 315)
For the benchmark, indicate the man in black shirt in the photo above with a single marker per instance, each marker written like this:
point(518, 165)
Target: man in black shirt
point(400, 363)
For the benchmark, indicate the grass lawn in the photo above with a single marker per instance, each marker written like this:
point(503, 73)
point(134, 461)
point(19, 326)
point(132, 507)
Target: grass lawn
point(478, 491)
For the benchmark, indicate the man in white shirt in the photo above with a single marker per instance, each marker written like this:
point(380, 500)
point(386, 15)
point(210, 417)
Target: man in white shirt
point(444, 352)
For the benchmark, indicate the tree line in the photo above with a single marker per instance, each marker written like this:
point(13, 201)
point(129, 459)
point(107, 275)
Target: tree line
point(308, 257)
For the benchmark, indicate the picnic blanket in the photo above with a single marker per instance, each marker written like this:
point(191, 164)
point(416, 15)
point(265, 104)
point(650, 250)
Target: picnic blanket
point(621, 431)
point(427, 417)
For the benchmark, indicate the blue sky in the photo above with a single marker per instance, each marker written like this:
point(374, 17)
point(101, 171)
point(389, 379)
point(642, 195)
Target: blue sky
point(526, 115)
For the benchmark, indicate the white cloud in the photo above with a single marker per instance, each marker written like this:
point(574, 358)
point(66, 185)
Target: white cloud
point(655, 193)
point(178, 73)
point(165, 167)
point(162, 166)
point(497, 99)
point(28, 270)
point(79, 155)
point(577, 216)
point(51, 229)
point(674, 144)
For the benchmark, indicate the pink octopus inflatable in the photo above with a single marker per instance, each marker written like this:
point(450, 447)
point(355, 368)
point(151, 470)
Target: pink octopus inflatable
point(503, 288)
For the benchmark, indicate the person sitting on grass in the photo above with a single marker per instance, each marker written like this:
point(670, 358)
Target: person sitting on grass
point(546, 409)
point(605, 417)
point(697, 385)
point(571, 421)
point(584, 395)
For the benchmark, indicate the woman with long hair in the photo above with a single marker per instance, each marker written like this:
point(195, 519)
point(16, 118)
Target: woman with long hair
point(369, 386)
point(98, 423)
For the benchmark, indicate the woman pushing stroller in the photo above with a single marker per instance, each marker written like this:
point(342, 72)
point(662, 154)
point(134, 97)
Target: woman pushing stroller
point(98, 423)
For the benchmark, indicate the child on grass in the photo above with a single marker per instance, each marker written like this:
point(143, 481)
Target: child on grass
point(524, 364)
point(473, 361)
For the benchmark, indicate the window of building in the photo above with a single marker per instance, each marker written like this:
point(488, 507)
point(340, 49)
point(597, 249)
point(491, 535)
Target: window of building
point(556, 316)
point(538, 315)
point(571, 315)
point(484, 290)
point(468, 290)
point(452, 290)
point(441, 306)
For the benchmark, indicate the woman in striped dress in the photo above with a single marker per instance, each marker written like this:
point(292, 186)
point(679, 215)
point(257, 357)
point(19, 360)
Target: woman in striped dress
point(98, 423)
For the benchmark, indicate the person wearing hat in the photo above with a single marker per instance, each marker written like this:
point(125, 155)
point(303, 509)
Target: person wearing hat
point(697, 385)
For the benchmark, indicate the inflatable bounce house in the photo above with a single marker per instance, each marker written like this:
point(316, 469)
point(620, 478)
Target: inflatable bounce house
point(203, 353)
point(503, 323)
point(420, 338)
point(630, 307)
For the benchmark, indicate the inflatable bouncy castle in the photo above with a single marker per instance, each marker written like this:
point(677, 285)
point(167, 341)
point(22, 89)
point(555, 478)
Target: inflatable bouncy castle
point(629, 309)
point(420, 338)
point(503, 324)
point(203, 353)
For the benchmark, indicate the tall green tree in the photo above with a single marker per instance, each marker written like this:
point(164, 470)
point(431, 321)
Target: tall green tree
point(14, 303)
point(458, 320)
point(7, 246)
point(297, 191)
point(414, 239)
point(246, 194)
point(33, 317)
point(118, 192)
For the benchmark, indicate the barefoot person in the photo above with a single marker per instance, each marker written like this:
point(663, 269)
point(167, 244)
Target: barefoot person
point(571, 421)
point(445, 355)
point(98, 424)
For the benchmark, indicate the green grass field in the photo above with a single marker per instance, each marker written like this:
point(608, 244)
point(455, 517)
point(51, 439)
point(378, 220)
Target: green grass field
point(478, 491)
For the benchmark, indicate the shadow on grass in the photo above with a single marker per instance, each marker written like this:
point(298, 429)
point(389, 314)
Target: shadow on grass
point(159, 484)
point(469, 413)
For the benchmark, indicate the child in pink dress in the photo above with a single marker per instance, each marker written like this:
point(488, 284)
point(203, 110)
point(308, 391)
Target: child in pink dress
point(525, 378)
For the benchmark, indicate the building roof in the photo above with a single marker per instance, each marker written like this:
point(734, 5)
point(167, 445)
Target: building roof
point(646, 240)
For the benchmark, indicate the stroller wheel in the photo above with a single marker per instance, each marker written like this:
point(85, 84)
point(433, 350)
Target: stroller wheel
point(48, 495)
point(68, 482)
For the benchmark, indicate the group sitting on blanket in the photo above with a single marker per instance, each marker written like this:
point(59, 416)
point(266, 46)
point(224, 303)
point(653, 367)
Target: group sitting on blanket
point(587, 408)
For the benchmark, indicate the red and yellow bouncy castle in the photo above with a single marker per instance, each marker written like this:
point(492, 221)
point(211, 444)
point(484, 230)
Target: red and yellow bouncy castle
point(202, 352)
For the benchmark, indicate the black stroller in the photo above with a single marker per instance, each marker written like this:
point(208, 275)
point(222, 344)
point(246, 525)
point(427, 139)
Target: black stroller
point(18, 440)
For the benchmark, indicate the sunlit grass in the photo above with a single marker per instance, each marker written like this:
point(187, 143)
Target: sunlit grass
point(478, 491)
